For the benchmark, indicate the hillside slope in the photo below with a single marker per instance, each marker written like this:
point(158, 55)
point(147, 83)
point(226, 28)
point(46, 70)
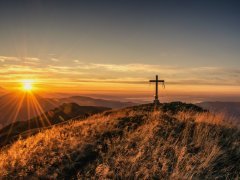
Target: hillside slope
point(174, 141)
point(61, 114)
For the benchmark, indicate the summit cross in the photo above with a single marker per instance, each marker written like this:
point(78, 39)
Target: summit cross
point(156, 101)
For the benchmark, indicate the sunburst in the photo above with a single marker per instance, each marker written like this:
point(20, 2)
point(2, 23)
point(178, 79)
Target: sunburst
point(27, 85)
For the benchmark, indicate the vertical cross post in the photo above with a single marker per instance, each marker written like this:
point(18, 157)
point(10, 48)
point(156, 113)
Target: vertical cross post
point(156, 101)
point(156, 92)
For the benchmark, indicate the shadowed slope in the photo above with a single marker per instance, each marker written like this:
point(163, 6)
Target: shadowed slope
point(174, 141)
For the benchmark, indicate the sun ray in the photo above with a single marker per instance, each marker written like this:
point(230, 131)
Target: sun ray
point(15, 116)
point(39, 111)
point(37, 105)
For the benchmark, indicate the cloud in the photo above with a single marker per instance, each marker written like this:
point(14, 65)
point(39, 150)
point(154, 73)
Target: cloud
point(33, 63)
point(18, 59)
point(34, 59)
point(76, 61)
point(9, 58)
point(54, 59)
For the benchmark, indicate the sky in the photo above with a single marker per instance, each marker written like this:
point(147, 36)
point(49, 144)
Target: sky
point(113, 48)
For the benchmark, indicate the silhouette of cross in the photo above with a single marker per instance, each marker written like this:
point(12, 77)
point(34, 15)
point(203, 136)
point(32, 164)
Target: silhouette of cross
point(156, 101)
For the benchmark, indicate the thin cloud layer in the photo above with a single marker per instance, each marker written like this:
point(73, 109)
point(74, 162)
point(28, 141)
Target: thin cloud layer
point(13, 68)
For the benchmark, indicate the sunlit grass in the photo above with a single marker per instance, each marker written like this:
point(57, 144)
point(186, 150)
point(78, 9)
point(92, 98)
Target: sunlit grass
point(127, 143)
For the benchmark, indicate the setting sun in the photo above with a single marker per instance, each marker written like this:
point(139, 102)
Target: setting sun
point(27, 85)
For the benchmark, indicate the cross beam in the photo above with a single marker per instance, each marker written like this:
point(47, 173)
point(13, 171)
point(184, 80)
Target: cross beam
point(156, 101)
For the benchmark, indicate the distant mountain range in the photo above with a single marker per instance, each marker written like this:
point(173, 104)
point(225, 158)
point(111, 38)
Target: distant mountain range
point(230, 109)
point(23, 106)
point(61, 114)
point(87, 101)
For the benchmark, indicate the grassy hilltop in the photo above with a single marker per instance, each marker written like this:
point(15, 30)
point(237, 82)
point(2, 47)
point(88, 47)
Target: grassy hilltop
point(175, 140)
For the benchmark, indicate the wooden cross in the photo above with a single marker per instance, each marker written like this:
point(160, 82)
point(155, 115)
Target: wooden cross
point(156, 101)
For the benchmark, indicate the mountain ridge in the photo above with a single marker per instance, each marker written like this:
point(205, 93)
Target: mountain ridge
point(85, 100)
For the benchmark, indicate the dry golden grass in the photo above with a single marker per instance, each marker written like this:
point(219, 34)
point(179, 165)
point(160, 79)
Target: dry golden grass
point(129, 143)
